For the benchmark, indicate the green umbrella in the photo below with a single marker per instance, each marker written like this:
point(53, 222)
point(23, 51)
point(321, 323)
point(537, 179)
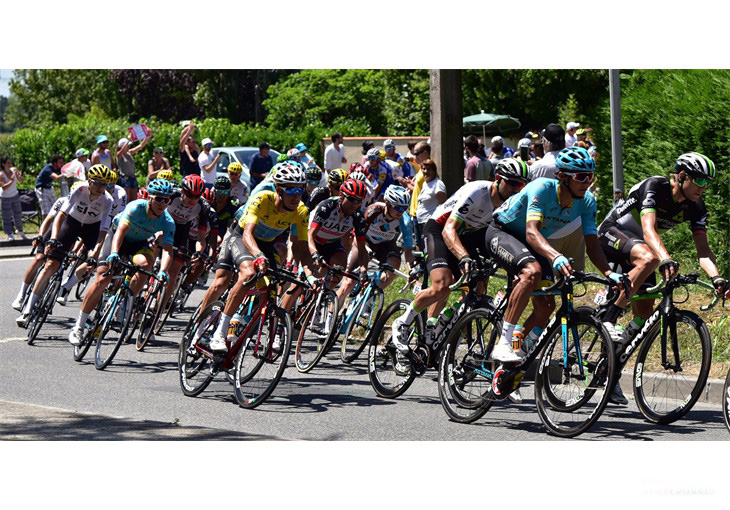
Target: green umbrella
point(491, 123)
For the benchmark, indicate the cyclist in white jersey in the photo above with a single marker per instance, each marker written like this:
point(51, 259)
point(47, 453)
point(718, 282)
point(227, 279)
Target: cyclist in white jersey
point(85, 215)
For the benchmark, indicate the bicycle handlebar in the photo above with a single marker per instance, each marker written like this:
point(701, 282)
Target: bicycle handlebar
point(130, 267)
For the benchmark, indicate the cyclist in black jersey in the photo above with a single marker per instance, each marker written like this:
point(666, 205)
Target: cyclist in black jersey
point(335, 178)
point(314, 176)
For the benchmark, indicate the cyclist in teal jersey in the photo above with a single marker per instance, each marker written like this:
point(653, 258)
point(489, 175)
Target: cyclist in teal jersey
point(136, 225)
point(516, 240)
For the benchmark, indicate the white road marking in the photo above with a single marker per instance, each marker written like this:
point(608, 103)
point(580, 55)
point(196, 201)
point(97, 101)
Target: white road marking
point(14, 339)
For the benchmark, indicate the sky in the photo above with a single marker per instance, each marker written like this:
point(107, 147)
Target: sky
point(5, 75)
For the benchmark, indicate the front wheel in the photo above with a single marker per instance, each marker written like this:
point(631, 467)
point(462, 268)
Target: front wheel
point(195, 363)
point(44, 308)
point(316, 329)
point(149, 317)
point(666, 387)
point(726, 401)
point(361, 324)
point(114, 326)
point(576, 372)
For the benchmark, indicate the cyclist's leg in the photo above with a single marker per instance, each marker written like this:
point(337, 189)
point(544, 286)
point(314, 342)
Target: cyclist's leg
point(29, 276)
point(145, 259)
point(339, 258)
point(173, 273)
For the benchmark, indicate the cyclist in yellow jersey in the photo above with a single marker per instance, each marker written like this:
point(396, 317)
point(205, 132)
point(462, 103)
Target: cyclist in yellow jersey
point(251, 244)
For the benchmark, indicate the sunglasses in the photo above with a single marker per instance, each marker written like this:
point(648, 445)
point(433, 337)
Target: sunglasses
point(190, 195)
point(353, 199)
point(400, 208)
point(312, 181)
point(515, 183)
point(293, 191)
point(583, 176)
point(160, 200)
point(94, 182)
point(222, 191)
point(417, 153)
point(702, 182)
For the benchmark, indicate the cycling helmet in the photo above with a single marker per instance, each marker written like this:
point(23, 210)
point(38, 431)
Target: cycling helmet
point(383, 155)
point(100, 172)
point(282, 158)
point(209, 195)
point(222, 183)
point(159, 187)
point(113, 178)
point(388, 144)
point(373, 153)
point(235, 168)
point(355, 167)
point(397, 196)
point(695, 165)
point(525, 142)
point(165, 174)
point(313, 173)
point(293, 153)
point(512, 168)
point(82, 152)
point(358, 176)
point(353, 188)
point(142, 193)
point(575, 159)
point(289, 173)
point(193, 184)
point(336, 176)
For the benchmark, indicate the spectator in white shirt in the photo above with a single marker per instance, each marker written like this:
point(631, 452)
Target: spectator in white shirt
point(570, 137)
point(334, 154)
point(207, 162)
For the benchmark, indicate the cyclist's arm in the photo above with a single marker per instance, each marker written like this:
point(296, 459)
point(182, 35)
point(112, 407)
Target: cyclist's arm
point(410, 259)
point(537, 242)
point(47, 222)
point(313, 229)
point(451, 238)
point(99, 244)
point(648, 225)
point(166, 260)
point(248, 239)
point(595, 253)
point(362, 253)
point(706, 257)
point(57, 222)
point(301, 254)
point(119, 235)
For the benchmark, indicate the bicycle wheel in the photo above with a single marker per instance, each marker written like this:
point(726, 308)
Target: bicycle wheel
point(665, 393)
point(43, 307)
point(170, 305)
point(389, 375)
point(114, 325)
point(726, 401)
point(316, 329)
point(149, 317)
point(573, 381)
point(252, 389)
point(81, 286)
point(361, 324)
point(465, 371)
point(195, 364)
point(91, 333)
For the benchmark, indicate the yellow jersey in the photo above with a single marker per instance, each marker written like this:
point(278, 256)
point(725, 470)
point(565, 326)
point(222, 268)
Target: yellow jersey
point(270, 222)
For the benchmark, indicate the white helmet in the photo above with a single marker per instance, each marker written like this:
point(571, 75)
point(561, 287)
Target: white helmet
point(374, 153)
point(397, 196)
point(288, 173)
point(293, 153)
point(358, 176)
point(388, 144)
point(696, 165)
point(525, 142)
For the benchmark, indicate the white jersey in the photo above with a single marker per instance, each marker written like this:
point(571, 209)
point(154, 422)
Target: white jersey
point(472, 204)
point(119, 198)
point(81, 208)
point(57, 205)
point(241, 192)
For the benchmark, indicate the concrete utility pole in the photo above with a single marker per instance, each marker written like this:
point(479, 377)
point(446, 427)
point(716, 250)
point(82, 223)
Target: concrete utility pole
point(614, 88)
point(447, 146)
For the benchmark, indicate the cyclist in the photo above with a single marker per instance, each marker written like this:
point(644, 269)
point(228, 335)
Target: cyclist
point(132, 230)
point(314, 176)
point(380, 171)
point(239, 189)
point(330, 222)
point(399, 167)
point(385, 221)
point(517, 242)
point(86, 215)
point(630, 237)
point(335, 178)
point(358, 172)
point(251, 245)
point(455, 235)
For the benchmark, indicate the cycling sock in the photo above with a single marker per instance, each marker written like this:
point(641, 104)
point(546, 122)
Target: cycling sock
point(507, 330)
point(223, 325)
point(81, 321)
point(612, 314)
point(34, 298)
point(23, 289)
point(72, 280)
point(409, 314)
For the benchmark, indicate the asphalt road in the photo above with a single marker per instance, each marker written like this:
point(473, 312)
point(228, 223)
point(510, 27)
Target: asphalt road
point(46, 395)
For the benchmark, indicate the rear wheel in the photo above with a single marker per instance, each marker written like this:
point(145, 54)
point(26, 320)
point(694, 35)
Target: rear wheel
point(667, 391)
point(574, 377)
point(361, 324)
point(726, 401)
point(316, 328)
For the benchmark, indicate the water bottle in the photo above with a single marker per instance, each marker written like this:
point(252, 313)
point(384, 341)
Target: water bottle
point(630, 332)
point(517, 338)
point(433, 329)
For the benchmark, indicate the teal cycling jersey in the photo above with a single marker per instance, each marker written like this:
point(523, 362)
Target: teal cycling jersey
point(539, 201)
point(142, 227)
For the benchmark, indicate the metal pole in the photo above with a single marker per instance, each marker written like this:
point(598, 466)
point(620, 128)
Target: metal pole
point(614, 88)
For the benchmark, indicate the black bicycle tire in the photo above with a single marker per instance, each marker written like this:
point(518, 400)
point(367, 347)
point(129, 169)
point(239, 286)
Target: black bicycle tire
point(283, 357)
point(170, 305)
point(726, 401)
point(653, 335)
point(82, 285)
point(88, 338)
point(380, 296)
point(106, 326)
point(331, 297)
point(45, 306)
point(214, 307)
point(379, 388)
point(581, 316)
point(142, 337)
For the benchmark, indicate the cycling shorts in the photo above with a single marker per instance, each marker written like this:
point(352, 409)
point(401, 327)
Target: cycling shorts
point(617, 245)
point(383, 251)
point(234, 253)
point(439, 255)
point(128, 249)
point(72, 229)
point(513, 255)
point(329, 250)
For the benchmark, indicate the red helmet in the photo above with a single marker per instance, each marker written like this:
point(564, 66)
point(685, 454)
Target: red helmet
point(357, 167)
point(193, 184)
point(209, 194)
point(354, 189)
point(142, 193)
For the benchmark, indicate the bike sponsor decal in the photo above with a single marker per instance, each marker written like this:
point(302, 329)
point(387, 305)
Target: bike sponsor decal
point(640, 336)
point(639, 370)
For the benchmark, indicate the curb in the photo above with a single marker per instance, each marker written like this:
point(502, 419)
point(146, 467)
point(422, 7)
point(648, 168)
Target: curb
point(711, 394)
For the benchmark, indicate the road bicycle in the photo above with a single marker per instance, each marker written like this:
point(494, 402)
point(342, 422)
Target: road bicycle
point(257, 366)
point(575, 369)
point(726, 401)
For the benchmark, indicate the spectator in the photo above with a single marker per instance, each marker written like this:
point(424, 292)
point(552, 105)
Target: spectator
point(157, 163)
point(102, 154)
point(305, 158)
point(499, 150)
point(207, 162)
point(12, 212)
point(189, 152)
point(553, 141)
point(44, 183)
point(478, 168)
point(294, 155)
point(366, 146)
point(239, 189)
point(433, 193)
point(334, 154)
point(261, 163)
point(570, 137)
point(82, 156)
point(125, 160)
point(582, 136)
point(421, 152)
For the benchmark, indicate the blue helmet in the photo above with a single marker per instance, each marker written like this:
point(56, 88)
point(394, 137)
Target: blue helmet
point(159, 187)
point(575, 159)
